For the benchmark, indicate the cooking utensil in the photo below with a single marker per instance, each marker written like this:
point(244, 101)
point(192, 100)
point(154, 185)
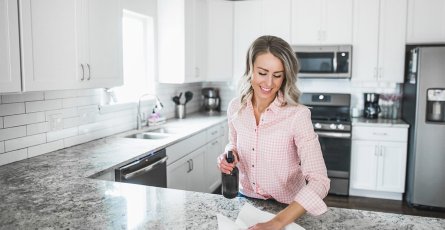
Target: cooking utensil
point(188, 96)
point(176, 100)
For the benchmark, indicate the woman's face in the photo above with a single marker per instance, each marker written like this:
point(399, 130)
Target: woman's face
point(268, 75)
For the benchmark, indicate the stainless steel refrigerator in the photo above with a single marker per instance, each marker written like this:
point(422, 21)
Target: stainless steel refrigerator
point(424, 109)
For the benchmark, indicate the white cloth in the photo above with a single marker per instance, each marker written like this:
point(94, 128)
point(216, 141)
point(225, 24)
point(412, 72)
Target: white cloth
point(249, 216)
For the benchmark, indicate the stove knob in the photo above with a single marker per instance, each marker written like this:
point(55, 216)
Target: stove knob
point(340, 126)
point(317, 125)
point(333, 126)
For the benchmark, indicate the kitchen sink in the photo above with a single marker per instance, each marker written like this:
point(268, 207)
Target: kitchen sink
point(149, 135)
point(164, 130)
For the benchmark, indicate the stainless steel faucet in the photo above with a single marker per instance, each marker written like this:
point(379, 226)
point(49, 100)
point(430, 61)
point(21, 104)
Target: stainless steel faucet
point(139, 116)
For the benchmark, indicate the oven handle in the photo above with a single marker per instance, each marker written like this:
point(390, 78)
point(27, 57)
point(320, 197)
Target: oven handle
point(145, 169)
point(334, 135)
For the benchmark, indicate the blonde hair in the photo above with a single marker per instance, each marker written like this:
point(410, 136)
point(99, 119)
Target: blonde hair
point(282, 50)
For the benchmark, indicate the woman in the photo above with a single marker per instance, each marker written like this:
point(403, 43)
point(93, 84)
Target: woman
point(276, 149)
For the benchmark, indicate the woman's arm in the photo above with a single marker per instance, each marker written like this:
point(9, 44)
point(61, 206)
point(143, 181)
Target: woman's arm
point(288, 215)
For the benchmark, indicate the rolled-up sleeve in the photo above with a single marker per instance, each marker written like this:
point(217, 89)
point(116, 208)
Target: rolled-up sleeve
point(313, 166)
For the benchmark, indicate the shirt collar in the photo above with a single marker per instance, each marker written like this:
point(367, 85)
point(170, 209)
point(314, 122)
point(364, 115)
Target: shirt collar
point(276, 104)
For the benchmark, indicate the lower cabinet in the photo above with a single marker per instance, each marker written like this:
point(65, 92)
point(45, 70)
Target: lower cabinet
point(378, 163)
point(192, 162)
point(185, 173)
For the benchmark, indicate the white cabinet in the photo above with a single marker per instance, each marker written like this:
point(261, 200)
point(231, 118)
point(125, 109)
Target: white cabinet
point(71, 44)
point(220, 41)
point(379, 34)
point(182, 40)
point(9, 45)
point(185, 173)
point(322, 22)
point(253, 19)
point(191, 163)
point(426, 21)
point(378, 162)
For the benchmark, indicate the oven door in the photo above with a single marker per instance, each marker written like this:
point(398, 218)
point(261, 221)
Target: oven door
point(336, 148)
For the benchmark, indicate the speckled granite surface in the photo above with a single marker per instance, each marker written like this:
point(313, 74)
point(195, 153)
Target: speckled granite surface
point(379, 122)
point(52, 191)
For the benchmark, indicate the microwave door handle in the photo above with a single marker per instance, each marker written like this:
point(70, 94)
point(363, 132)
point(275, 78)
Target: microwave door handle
point(145, 169)
point(334, 62)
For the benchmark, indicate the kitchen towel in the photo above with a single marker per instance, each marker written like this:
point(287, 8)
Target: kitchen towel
point(248, 216)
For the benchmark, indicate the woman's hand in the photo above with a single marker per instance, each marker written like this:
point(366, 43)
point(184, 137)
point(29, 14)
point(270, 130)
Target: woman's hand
point(223, 165)
point(271, 224)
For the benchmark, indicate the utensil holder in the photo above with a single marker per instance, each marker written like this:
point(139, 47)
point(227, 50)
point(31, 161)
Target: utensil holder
point(180, 111)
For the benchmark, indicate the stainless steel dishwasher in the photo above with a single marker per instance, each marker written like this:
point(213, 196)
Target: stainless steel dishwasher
point(149, 170)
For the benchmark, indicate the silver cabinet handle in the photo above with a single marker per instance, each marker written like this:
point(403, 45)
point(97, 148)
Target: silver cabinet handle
point(145, 169)
point(89, 72)
point(214, 143)
point(334, 135)
point(376, 151)
point(83, 72)
point(189, 162)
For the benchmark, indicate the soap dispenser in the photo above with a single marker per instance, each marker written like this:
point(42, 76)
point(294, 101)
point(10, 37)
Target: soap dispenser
point(230, 181)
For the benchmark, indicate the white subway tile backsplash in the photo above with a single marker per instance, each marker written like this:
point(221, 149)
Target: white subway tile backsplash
point(45, 148)
point(66, 113)
point(89, 92)
point(11, 109)
point(9, 157)
point(23, 119)
point(71, 122)
point(31, 96)
point(2, 146)
point(60, 134)
point(58, 94)
point(1, 122)
point(23, 142)
point(37, 128)
point(11, 133)
point(80, 101)
point(37, 106)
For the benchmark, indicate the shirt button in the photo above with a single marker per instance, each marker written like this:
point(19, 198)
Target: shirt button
point(253, 166)
point(253, 149)
point(253, 183)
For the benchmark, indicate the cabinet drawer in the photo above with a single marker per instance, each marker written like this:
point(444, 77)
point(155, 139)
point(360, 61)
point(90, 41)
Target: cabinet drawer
point(213, 132)
point(184, 147)
point(380, 134)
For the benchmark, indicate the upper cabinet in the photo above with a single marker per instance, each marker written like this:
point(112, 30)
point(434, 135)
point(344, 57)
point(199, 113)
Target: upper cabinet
point(379, 40)
point(322, 22)
point(182, 40)
point(426, 21)
point(220, 41)
point(71, 44)
point(253, 19)
point(9, 46)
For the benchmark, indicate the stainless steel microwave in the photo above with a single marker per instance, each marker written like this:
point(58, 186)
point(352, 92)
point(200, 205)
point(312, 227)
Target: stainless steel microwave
point(324, 61)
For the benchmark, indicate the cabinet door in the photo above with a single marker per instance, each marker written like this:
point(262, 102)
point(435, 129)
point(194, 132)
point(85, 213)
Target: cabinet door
point(198, 41)
point(392, 35)
point(212, 173)
point(103, 45)
point(392, 167)
point(365, 40)
point(276, 18)
point(196, 178)
point(220, 41)
point(9, 44)
point(247, 18)
point(178, 174)
point(49, 34)
point(306, 22)
point(337, 22)
point(426, 21)
point(364, 164)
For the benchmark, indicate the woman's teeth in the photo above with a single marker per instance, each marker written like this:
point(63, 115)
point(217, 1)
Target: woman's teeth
point(266, 89)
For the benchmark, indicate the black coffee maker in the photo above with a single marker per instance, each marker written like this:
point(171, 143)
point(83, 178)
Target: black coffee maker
point(372, 108)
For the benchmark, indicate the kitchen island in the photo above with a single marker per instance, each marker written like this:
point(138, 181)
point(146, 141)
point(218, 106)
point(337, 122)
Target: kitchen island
point(56, 191)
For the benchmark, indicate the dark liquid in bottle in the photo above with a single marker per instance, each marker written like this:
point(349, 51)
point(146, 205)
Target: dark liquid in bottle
point(230, 181)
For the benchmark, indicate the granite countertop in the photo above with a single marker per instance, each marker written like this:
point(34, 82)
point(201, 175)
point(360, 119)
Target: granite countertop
point(360, 121)
point(55, 191)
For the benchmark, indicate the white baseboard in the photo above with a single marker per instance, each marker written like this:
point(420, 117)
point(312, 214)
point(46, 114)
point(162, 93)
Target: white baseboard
point(376, 194)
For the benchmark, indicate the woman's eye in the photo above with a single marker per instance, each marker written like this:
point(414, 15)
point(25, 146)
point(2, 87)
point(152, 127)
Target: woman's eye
point(277, 76)
point(262, 74)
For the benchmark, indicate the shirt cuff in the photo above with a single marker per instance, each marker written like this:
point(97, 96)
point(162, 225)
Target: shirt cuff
point(311, 202)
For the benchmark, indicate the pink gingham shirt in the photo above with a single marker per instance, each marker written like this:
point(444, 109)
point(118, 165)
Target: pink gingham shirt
point(280, 158)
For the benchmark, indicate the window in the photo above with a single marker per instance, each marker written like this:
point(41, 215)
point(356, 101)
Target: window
point(138, 57)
